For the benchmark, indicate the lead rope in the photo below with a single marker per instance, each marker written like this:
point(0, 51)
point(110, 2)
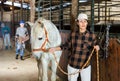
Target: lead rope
point(97, 57)
point(82, 66)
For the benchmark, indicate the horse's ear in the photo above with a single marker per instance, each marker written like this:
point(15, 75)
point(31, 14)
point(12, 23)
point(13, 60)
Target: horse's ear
point(42, 25)
point(29, 23)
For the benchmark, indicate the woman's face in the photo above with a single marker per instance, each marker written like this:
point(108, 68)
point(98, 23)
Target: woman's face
point(82, 24)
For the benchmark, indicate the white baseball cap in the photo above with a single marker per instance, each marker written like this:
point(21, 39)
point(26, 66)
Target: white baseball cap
point(82, 16)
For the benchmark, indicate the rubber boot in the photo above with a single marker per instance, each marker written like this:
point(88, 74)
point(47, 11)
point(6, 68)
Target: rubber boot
point(21, 58)
point(10, 47)
point(16, 56)
point(6, 47)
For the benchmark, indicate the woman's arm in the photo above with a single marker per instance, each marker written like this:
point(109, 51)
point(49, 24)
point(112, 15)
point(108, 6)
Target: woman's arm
point(53, 49)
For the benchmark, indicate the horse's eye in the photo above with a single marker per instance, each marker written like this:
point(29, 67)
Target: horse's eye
point(40, 38)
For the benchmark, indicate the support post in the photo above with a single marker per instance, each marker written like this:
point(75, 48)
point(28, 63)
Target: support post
point(32, 10)
point(13, 19)
point(74, 13)
point(21, 10)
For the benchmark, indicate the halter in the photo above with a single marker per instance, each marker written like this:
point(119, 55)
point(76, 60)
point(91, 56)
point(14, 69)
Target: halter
point(42, 48)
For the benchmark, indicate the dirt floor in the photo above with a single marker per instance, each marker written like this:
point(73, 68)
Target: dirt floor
point(17, 70)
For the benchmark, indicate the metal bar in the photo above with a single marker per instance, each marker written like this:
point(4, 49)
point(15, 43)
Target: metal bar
point(46, 4)
point(92, 16)
point(105, 11)
point(61, 14)
point(28, 13)
point(39, 8)
point(98, 11)
point(50, 10)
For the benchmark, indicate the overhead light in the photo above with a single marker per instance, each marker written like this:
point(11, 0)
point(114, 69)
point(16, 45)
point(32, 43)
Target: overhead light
point(80, 1)
point(15, 4)
point(11, 8)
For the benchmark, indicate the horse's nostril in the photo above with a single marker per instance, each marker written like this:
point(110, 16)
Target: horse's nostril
point(39, 38)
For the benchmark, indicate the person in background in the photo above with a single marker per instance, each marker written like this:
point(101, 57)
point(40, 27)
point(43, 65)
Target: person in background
point(1, 39)
point(21, 37)
point(0, 31)
point(6, 35)
point(80, 44)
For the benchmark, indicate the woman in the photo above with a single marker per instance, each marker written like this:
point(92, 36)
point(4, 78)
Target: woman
point(79, 44)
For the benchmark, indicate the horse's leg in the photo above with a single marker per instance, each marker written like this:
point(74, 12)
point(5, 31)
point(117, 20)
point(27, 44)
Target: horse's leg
point(44, 68)
point(39, 69)
point(54, 64)
point(54, 68)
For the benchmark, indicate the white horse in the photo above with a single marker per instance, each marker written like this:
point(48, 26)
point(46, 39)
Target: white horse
point(45, 35)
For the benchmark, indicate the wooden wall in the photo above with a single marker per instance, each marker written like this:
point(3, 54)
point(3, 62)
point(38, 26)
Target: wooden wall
point(109, 67)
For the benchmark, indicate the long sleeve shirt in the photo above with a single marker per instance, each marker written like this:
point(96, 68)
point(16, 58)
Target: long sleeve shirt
point(21, 32)
point(79, 45)
point(5, 30)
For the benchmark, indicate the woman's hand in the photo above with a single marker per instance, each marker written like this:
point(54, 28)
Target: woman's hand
point(52, 50)
point(97, 48)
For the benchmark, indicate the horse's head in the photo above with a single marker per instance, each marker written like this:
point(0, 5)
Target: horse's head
point(44, 34)
point(39, 37)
